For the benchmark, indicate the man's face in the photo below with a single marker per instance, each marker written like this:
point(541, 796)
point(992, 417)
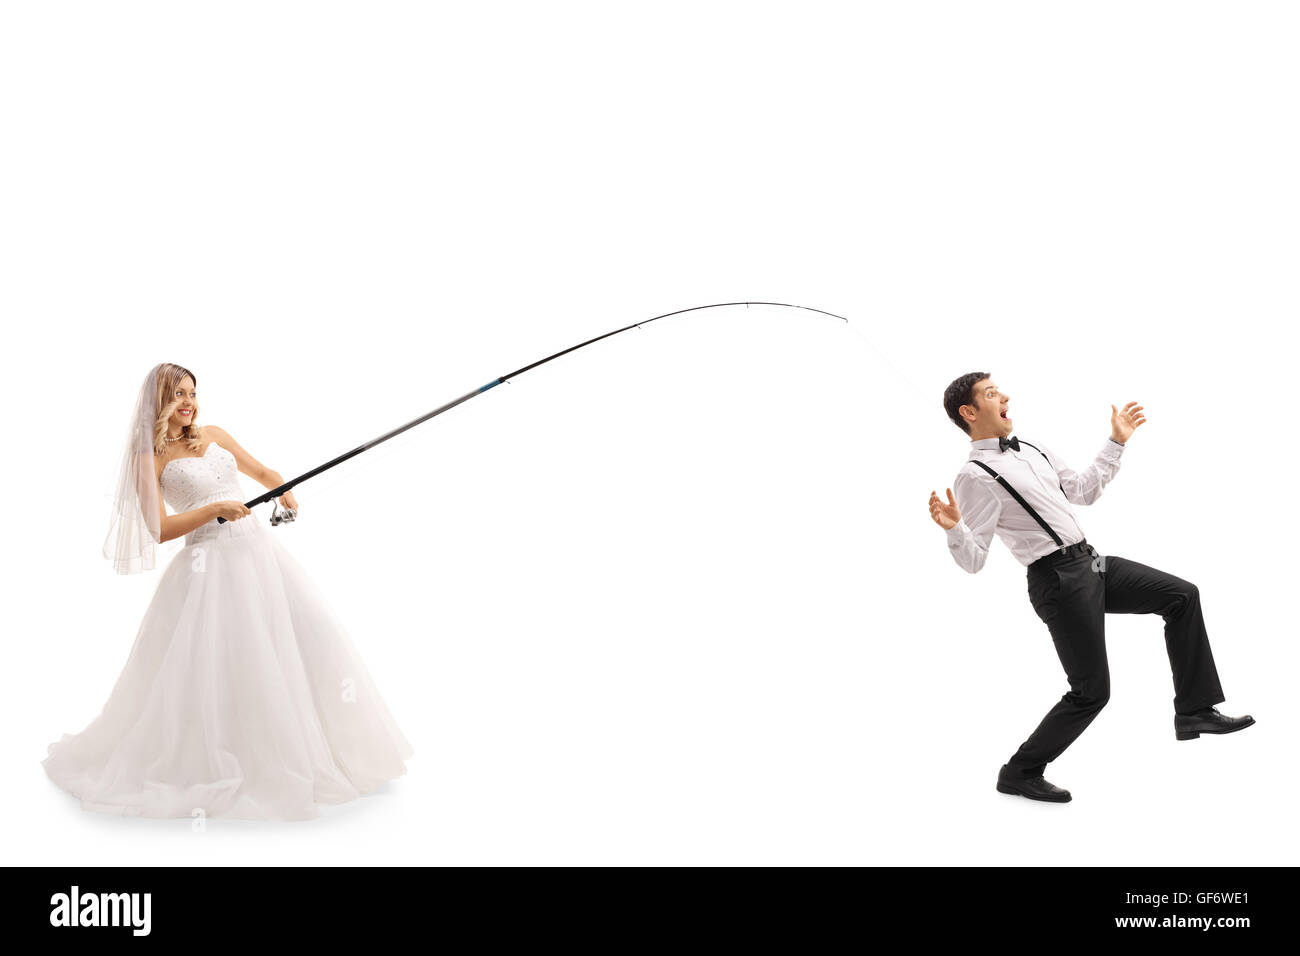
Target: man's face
point(990, 418)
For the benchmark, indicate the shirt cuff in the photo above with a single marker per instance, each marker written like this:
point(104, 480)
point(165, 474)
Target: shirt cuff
point(958, 531)
point(1112, 448)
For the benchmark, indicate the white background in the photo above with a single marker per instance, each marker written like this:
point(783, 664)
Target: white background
point(675, 598)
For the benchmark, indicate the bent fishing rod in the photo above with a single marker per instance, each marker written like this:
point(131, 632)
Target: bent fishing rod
point(288, 515)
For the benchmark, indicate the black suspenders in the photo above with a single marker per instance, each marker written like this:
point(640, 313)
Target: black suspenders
point(1023, 503)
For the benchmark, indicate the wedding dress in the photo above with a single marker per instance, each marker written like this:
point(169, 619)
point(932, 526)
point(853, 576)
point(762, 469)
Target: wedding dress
point(242, 696)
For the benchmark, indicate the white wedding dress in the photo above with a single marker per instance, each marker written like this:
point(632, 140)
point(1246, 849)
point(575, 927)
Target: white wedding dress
point(242, 696)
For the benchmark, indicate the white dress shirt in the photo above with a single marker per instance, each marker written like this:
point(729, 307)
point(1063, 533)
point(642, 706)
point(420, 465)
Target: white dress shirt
point(986, 507)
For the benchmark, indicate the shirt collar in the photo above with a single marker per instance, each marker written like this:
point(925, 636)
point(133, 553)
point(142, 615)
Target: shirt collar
point(985, 444)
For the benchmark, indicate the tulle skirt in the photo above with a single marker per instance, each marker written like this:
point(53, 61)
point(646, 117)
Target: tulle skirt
point(242, 697)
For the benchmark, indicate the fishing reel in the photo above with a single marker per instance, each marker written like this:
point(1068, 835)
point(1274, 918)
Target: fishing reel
point(279, 517)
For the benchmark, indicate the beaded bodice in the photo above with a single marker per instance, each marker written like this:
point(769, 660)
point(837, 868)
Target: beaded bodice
point(195, 481)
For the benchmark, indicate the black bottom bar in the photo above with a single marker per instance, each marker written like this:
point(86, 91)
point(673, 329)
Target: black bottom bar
point(1038, 906)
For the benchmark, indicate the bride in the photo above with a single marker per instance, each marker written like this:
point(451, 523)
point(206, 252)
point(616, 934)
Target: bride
point(242, 696)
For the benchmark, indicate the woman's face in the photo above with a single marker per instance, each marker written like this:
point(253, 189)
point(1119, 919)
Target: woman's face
point(187, 395)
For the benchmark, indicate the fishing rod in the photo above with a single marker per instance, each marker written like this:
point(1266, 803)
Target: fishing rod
point(288, 515)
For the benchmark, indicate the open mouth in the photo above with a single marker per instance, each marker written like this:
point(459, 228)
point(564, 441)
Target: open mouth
point(1003, 413)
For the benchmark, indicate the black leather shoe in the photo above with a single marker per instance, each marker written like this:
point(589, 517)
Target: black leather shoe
point(1207, 721)
point(1035, 788)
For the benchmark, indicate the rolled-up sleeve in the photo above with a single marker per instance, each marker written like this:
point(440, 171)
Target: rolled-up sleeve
point(969, 538)
point(1084, 487)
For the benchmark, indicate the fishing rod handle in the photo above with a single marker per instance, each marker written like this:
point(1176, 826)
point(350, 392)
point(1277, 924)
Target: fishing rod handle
point(247, 504)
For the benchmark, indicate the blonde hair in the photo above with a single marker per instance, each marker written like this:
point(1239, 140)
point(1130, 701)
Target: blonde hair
point(169, 377)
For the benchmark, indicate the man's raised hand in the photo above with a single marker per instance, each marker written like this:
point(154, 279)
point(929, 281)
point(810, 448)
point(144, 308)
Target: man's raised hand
point(945, 516)
point(1124, 423)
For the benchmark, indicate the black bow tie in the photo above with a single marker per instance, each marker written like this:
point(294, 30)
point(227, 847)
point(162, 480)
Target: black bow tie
point(1005, 443)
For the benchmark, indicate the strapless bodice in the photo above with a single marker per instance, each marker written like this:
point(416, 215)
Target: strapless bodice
point(189, 483)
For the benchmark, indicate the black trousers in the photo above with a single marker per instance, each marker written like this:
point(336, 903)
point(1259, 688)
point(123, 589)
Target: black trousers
point(1073, 595)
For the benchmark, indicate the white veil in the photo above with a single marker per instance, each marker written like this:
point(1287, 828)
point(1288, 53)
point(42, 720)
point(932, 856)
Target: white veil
point(135, 528)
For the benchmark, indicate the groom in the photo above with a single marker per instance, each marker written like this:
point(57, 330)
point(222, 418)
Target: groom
point(1023, 493)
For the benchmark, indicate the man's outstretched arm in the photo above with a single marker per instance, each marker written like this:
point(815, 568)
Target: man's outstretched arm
point(1084, 487)
point(969, 528)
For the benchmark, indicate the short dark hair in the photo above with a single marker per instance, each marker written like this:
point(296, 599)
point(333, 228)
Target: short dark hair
point(961, 392)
